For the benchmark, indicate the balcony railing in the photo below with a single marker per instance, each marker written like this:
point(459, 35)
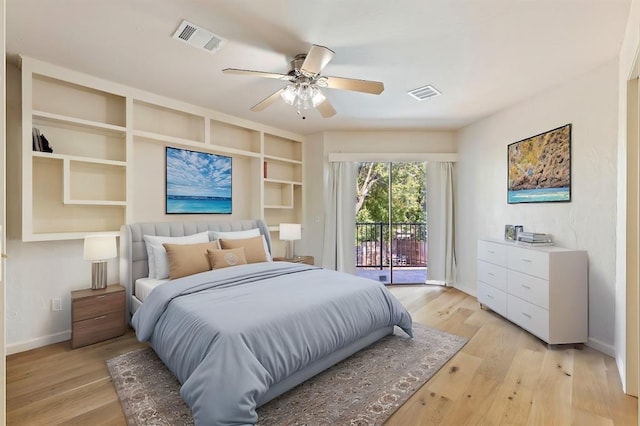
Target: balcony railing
point(404, 246)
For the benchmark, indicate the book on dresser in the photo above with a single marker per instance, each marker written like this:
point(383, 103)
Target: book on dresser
point(542, 289)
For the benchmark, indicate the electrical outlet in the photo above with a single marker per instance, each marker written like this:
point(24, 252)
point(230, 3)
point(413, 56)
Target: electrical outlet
point(56, 304)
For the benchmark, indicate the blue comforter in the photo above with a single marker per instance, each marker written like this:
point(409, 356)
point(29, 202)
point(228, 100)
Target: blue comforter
point(230, 334)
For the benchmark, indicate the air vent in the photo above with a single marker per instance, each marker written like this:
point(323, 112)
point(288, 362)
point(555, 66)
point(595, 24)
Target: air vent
point(424, 92)
point(199, 37)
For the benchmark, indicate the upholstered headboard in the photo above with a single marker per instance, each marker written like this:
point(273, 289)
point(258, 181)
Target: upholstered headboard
point(133, 253)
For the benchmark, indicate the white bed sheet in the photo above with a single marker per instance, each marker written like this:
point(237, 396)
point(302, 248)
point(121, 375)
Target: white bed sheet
point(144, 286)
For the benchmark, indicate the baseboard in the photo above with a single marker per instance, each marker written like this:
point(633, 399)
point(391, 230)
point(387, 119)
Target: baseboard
point(14, 348)
point(599, 346)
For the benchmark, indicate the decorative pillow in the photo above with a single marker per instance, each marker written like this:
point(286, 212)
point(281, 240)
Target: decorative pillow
point(158, 240)
point(188, 259)
point(162, 260)
point(254, 249)
point(241, 235)
point(224, 258)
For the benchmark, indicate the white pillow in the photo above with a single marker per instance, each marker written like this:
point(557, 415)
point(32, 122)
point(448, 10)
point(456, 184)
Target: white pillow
point(158, 260)
point(241, 235)
point(235, 235)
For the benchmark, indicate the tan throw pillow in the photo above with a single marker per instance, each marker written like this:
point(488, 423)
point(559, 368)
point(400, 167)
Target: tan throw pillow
point(253, 248)
point(224, 258)
point(188, 259)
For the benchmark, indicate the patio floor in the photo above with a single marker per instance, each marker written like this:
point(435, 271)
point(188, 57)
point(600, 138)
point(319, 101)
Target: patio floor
point(406, 275)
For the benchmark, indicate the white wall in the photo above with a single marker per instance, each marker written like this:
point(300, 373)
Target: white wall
point(588, 222)
point(320, 145)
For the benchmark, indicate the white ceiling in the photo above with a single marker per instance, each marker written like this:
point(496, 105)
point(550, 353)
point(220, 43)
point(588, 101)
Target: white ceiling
point(484, 55)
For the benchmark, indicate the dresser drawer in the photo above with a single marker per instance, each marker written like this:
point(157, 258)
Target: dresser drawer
point(494, 275)
point(97, 329)
point(493, 298)
point(528, 316)
point(530, 262)
point(492, 252)
point(529, 288)
point(97, 305)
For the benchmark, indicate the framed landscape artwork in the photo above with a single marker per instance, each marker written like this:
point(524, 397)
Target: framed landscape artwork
point(539, 168)
point(197, 182)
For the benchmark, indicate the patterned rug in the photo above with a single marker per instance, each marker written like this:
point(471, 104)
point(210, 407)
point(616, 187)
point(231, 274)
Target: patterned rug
point(364, 389)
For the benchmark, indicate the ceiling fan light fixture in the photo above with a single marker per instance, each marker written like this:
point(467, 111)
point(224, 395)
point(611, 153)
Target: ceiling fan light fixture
point(302, 95)
point(317, 98)
point(289, 94)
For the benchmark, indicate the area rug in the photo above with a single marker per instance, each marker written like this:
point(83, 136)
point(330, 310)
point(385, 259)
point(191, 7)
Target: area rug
point(364, 389)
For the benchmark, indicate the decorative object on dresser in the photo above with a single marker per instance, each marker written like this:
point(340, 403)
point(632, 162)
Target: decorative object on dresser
point(98, 249)
point(290, 232)
point(307, 260)
point(509, 232)
point(535, 238)
point(539, 167)
point(542, 289)
point(97, 315)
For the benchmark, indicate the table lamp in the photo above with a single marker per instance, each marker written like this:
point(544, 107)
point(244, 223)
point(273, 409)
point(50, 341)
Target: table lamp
point(290, 232)
point(97, 249)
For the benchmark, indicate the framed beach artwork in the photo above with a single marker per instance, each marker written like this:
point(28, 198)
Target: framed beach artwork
point(197, 182)
point(539, 168)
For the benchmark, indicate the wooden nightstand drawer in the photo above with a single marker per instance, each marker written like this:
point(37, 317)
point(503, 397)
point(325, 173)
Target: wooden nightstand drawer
point(97, 315)
point(97, 329)
point(307, 260)
point(96, 305)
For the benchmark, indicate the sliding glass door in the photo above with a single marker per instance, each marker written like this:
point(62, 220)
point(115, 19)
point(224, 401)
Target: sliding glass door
point(391, 235)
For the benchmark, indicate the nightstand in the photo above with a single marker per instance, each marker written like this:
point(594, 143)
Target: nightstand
point(307, 260)
point(97, 315)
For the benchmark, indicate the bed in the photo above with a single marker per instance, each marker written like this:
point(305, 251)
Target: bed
point(240, 336)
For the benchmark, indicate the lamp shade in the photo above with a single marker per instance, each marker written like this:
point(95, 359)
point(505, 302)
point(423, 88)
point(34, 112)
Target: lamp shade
point(99, 247)
point(290, 231)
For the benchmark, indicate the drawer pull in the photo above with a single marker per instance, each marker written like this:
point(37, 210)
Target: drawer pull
point(526, 286)
point(489, 296)
point(526, 315)
point(491, 251)
point(100, 317)
point(490, 274)
point(526, 260)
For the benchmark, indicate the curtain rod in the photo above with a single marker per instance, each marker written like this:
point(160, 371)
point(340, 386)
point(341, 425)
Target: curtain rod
point(397, 157)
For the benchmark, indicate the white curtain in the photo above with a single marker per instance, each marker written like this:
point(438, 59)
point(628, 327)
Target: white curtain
point(441, 256)
point(339, 226)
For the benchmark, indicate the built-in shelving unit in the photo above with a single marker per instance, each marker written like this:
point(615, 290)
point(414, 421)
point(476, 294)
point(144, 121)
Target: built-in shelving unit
point(87, 184)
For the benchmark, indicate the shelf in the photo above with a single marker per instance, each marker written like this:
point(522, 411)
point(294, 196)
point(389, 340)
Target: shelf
point(281, 181)
point(193, 144)
point(95, 203)
point(39, 116)
point(78, 158)
point(164, 120)
point(235, 137)
point(282, 159)
point(277, 207)
point(109, 142)
point(49, 236)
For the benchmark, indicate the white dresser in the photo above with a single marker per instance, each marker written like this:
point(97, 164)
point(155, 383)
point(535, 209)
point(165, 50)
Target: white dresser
point(542, 289)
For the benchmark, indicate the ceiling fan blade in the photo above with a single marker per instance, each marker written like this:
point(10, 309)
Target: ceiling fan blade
point(326, 109)
point(366, 86)
point(317, 58)
point(267, 101)
point(255, 73)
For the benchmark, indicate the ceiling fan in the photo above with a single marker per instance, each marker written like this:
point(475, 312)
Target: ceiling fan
point(305, 82)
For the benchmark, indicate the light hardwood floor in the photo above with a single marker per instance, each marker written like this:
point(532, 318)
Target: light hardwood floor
point(502, 376)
